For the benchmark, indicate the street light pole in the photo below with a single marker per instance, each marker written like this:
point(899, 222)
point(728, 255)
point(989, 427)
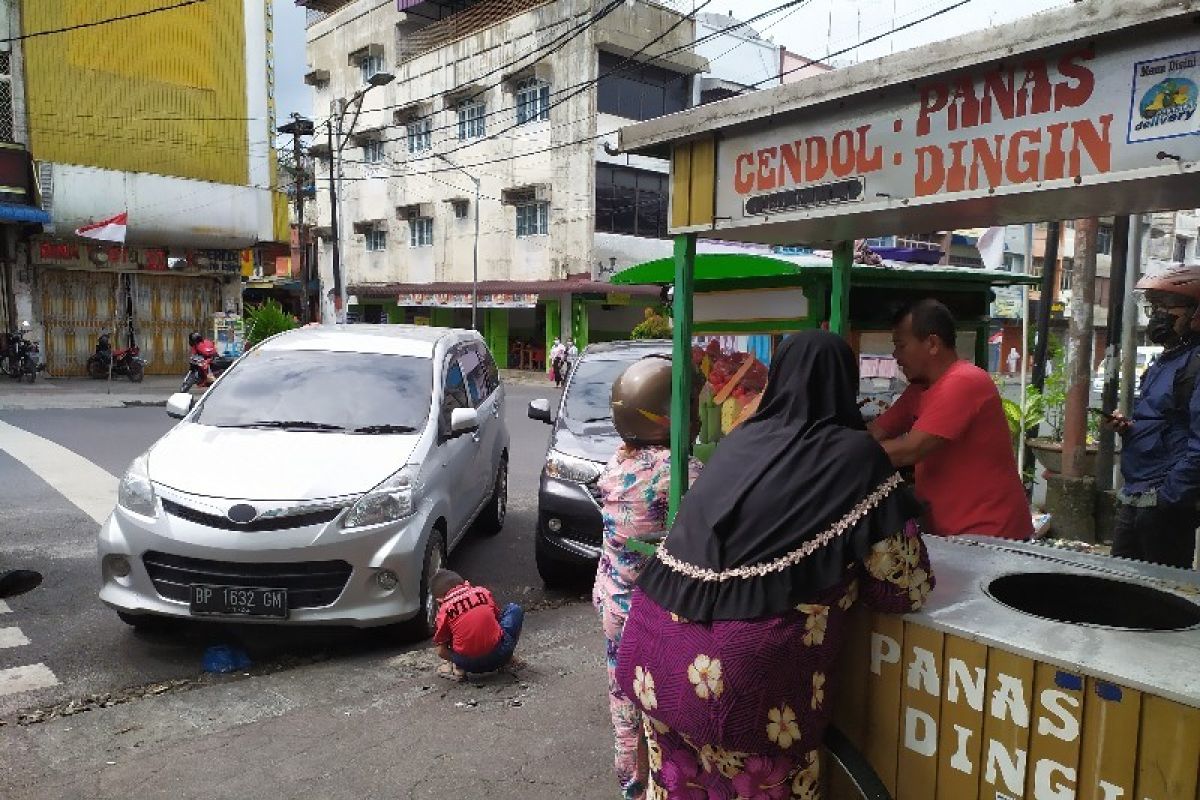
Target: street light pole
point(475, 248)
point(337, 111)
point(300, 126)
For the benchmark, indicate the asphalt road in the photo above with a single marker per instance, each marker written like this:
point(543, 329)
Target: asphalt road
point(91, 652)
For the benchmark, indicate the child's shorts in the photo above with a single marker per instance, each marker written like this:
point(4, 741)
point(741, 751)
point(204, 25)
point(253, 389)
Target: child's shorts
point(511, 620)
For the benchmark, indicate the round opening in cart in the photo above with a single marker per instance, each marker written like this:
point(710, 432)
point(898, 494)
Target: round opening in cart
point(1093, 600)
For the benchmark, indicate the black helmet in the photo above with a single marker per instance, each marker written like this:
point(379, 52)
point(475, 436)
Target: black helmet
point(641, 402)
point(194, 338)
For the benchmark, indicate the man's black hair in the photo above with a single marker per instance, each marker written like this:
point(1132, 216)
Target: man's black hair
point(443, 581)
point(929, 318)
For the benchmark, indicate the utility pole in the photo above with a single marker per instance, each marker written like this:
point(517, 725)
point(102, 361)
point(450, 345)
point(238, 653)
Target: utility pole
point(334, 166)
point(300, 126)
point(1049, 264)
point(1116, 311)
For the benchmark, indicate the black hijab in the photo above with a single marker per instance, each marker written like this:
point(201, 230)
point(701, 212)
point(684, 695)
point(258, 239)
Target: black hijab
point(787, 501)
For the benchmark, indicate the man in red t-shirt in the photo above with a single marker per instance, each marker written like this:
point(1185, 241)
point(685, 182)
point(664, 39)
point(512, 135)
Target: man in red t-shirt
point(471, 632)
point(950, 424)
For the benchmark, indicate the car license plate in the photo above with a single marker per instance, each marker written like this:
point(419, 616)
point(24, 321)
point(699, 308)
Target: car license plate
point(239, 601)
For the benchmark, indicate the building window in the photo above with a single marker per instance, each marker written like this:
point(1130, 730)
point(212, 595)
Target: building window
point(460, 208)
point(373, 151)
point(370, 65)
point(533, 219)
point(533, 101)
point(640, 92)
point(420, 135)
point(1036, 268)
point(631, 201)
point(471, 119)
point(420, 232)
point(6, 97)
point(1064, 276)
point(376, 241)
point(1104, 239)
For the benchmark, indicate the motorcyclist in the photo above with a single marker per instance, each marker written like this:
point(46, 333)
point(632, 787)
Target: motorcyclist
point(204, 349)
point(1160, 454)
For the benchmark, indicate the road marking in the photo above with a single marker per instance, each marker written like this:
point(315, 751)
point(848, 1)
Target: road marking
point(4, 609)
point(12, 637)
point(26, 679)
point(85, 485)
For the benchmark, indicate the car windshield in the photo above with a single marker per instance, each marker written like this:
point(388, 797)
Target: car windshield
point(590, 392)
point(320, 390)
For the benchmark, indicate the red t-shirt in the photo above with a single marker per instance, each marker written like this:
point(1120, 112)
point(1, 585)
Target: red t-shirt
point(971, 482)
point(468, 620)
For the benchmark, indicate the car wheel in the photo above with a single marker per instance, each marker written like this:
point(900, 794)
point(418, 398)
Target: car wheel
point(491, 520)
point(421, 626)
point(146, 623)
point(556, 574)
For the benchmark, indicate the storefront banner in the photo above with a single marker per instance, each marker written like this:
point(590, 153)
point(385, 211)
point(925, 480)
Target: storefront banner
point(463, 300)
point(1007, 304)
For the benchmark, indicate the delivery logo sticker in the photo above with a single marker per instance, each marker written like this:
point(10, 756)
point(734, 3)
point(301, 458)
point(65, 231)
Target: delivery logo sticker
point(1164, 98)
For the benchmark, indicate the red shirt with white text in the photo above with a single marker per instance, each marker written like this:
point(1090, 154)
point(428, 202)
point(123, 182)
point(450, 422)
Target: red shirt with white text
point(468, 620)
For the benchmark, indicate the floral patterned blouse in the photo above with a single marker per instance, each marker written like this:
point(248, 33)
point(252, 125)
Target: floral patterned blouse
point(635, 489)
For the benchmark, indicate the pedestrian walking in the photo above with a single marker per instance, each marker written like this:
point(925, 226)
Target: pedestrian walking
point(736, 624)
point(634, 489)
point(1014, 358)
point(558, 355)
point(1160, 444)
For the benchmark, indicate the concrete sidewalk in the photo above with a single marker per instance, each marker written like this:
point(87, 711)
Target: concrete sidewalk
point(366, 726)
point(48, 392)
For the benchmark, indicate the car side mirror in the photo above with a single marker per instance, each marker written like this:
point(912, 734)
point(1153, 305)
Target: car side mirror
point(179, 404)
point(463, 420)
point(540, 410)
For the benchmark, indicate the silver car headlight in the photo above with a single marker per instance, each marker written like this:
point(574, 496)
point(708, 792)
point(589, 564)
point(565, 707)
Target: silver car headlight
point(136, 493)
point(390, 501)
point(569, 468)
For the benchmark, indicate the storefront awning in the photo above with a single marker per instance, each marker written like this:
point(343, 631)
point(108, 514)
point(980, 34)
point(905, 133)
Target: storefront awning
point(12, 212)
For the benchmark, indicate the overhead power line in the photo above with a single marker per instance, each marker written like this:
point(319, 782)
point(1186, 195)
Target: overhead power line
point(107, 21)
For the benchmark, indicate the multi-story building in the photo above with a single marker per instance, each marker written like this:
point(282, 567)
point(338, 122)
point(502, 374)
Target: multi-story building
point(167, 117)
point(525, 96)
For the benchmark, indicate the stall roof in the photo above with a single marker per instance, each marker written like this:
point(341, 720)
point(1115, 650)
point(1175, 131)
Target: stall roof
point(729, 267)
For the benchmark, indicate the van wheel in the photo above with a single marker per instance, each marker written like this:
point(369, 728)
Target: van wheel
point(421, 626)
point(491, 519)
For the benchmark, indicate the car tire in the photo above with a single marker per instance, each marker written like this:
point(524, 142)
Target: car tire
point(146, 623)
point(491, 519)
point(556, 574)
point(420, 627)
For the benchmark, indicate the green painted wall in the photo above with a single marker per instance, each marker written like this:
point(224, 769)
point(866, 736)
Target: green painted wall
point(579, 322)
point(495, 333)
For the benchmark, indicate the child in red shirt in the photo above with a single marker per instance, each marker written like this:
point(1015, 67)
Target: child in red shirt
point(471, 632)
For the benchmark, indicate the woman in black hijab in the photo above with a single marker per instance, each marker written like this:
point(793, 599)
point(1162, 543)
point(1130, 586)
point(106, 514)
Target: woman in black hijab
point(735, 624)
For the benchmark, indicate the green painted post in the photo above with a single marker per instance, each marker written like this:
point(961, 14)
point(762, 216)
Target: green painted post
point(553, 324)
point(441, 317)
point(579, 322)
point(495, 326)
point(839, 299)
point(681, 374)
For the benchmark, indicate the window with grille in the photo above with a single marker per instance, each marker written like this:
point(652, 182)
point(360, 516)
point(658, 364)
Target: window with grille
point(420, 232)
point(533, 219)
point(373, 151)
point(1064, 278)
point(471, 119)
point(639, 91)
point(370, 65)
point(6, 97)
point(420, 135)
point(376, 241)
point(460, 208)
point(533, 101)
point(1104, 240)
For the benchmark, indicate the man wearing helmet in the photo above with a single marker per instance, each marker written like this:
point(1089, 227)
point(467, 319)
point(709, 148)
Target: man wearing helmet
point(1160, 452)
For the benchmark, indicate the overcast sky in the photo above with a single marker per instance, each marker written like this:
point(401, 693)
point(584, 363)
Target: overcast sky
point(814, 29)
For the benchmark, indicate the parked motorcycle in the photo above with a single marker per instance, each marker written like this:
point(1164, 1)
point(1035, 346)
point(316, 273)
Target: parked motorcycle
point(23, 358)
point(204, 365)
point(124, 362)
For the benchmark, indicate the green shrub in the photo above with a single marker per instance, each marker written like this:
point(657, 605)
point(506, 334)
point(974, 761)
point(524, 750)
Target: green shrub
point(266, 320)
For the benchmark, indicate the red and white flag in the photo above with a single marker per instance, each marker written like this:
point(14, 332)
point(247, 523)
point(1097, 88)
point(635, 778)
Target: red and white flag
point(112, 229)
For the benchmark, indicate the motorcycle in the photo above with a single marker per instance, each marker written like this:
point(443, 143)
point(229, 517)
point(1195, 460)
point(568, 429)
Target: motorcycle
point(23, 359)
point(123, 362)
point(204, 366)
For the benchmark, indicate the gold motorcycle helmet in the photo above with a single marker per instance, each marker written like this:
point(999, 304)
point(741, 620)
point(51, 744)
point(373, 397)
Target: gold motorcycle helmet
point(641, 402)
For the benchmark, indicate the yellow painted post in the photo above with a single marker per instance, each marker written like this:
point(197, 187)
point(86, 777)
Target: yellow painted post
point(1055, 738)
point(884, 683)
point(1006, 725)
point(1168, 751)
point(1108, 753)
point(920, 699)
point(960, 729)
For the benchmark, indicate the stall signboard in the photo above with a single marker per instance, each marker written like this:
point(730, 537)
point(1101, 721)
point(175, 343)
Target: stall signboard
point(129, 259)
point(1007, 303)
point(463, 300)
point(1092, 113)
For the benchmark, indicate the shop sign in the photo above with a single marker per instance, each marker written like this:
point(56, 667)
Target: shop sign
point(463, 300)
point(57, 252)
point(1007, 304)
point(1084, 110)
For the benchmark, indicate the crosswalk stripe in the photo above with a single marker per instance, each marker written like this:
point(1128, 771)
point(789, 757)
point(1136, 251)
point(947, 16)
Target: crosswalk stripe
point(90, 488)
point(4, 609)
point(12, 637)
point(26, 679)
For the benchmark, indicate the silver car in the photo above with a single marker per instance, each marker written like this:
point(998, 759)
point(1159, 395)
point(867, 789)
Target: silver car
point(322, 480)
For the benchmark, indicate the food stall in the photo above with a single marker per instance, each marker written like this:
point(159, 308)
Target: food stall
point(1030, 673)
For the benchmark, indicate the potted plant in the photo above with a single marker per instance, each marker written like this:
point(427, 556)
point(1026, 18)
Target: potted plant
point(1053, 401)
